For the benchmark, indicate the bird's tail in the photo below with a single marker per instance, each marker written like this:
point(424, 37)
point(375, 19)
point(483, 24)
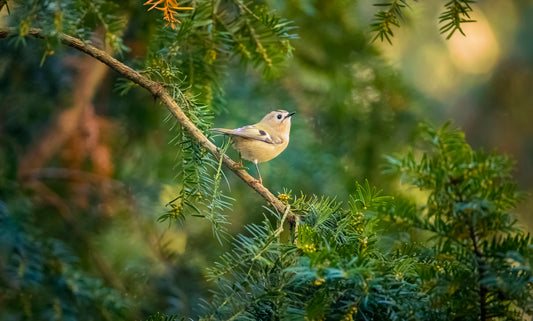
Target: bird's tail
point(222, 130)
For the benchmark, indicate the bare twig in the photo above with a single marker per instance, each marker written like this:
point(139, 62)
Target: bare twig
point(158, 91)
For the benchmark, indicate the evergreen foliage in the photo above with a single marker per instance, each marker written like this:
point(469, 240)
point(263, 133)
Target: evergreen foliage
point(76, 18)
point(336, 269)
point(41, 279)
point(459, 256)
point(161, 317)
point(386, 19)
point(455, 253)
point(455, 13)
point(467, 218)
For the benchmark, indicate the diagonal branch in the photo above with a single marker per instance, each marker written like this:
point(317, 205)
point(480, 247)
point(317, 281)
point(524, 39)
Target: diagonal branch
point(159, 92)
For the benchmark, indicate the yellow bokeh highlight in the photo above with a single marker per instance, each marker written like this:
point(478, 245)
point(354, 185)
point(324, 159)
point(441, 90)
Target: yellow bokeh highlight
point(479, 51)
point(175, 241)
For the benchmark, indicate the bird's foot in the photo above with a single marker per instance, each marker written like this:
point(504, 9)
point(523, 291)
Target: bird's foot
point(239, 165)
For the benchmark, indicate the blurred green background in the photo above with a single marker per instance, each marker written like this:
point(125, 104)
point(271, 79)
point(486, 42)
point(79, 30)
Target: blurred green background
point(93, 170)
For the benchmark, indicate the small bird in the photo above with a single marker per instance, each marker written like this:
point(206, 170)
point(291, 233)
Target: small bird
point(263, 141)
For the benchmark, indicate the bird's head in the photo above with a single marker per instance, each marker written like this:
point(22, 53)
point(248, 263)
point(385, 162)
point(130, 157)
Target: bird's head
point(279, 121)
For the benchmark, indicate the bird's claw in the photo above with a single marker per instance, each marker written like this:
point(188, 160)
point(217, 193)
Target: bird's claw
point(239, 165)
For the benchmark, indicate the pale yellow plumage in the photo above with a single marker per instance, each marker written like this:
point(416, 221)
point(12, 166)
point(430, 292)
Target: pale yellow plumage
point(262, 141)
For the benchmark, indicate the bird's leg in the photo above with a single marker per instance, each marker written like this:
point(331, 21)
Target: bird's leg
point(240, 161)
point(258, 172)
point(239, 165)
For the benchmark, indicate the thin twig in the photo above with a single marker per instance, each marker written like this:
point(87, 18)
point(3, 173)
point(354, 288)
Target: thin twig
point(481, 270)
point(280, 228)
point(158, 91)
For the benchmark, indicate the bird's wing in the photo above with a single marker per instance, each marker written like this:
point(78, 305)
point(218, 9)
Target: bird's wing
point(250, 132)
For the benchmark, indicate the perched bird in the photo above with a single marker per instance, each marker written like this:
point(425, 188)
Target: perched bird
point(263, 141)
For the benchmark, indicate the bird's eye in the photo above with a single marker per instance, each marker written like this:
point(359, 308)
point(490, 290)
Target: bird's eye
point(279, 116)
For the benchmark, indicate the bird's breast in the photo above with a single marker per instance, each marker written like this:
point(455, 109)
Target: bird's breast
point(255, 150)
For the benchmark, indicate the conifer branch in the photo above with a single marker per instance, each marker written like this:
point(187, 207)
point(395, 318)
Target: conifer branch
point(159, 92)
point(260, 49)
point(483, 291)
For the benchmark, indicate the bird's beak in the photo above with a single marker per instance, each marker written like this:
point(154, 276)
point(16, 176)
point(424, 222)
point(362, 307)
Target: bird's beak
point(290, 114)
